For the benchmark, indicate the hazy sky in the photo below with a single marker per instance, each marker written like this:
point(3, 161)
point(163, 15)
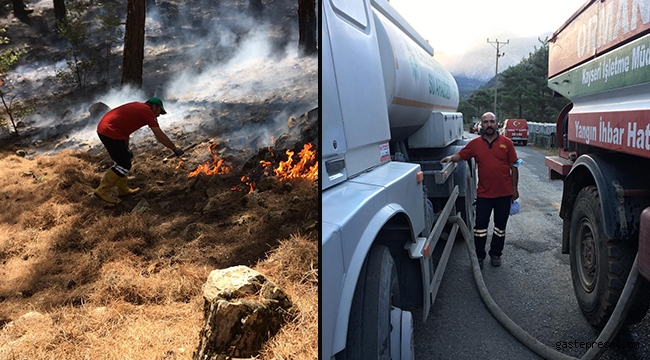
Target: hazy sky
point(451, 26)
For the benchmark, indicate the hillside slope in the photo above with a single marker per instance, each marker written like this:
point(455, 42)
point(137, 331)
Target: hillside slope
point(83, 279)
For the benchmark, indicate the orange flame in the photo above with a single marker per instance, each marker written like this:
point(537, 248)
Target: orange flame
point(267, 167)
point(306, 167)
point(301, 169)
point(251, 184)
point(217, 166)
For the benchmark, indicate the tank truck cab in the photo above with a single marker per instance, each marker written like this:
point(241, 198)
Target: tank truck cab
point(388, 117)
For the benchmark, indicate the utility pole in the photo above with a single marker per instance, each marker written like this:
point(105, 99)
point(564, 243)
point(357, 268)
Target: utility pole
point(496, 72)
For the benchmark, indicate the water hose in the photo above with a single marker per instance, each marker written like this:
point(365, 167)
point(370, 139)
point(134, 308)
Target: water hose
point(607, 335)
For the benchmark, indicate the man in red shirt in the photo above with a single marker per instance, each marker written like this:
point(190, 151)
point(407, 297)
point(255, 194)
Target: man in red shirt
point(114, 130)
point(496, 159)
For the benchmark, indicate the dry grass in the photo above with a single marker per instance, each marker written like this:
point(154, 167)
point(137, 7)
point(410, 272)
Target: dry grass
point(294, 267)
point(82, 281)
point(545, 150)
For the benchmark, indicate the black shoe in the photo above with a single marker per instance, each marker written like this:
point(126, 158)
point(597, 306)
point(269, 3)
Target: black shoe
point(495, 260)
point(480, 263)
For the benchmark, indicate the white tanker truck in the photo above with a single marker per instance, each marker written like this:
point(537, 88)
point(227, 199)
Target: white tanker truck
point(390, 210)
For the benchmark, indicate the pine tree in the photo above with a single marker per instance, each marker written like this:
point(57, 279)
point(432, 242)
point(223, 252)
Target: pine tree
point(523, 92)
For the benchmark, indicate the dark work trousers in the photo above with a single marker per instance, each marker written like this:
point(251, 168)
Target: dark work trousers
point(119, 153)
point(484, 207)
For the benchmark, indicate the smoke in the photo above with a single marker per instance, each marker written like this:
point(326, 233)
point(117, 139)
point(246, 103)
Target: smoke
point(263, 136)
point(35, 75)
point(220, 73)
point(249, 97)
point(248, 72)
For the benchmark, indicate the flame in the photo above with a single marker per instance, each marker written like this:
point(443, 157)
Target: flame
point(267, 167)
point(217, 166)
point(301, 169)
point(251, 184)
point(271, 147)
point(306, 167)
point(179, 165)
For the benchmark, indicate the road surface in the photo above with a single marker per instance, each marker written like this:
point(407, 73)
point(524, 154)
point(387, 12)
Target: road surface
point(533, 287)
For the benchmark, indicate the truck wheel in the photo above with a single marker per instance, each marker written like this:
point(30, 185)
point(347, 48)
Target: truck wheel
point(378, 328)
point(599, 265)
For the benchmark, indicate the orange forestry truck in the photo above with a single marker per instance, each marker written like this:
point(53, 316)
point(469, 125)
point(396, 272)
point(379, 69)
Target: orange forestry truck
point(600, 60)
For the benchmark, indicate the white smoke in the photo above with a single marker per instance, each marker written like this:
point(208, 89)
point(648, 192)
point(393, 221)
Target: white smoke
point(236, 67)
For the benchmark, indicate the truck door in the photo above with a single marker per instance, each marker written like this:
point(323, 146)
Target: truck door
point(355, 116)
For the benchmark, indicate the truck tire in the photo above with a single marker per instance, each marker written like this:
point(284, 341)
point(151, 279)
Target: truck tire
point(373, 314)
point(599, 265)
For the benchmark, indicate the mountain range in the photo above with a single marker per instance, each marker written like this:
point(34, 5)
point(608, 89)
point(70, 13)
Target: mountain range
point(476, 66)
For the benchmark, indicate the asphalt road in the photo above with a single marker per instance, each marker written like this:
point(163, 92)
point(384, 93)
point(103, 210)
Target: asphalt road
point(533, 287)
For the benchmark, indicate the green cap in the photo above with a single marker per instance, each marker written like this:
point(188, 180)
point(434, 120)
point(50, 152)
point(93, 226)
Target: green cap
point(157, 101)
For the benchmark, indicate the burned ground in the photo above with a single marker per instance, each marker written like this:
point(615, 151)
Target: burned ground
point(124, 281)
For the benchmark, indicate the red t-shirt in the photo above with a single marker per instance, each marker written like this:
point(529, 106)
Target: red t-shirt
point(122, 121)
point(493, 161)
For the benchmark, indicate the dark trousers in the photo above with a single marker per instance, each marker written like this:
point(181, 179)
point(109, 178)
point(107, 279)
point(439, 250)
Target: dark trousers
point(119, 153)
point(484, 207)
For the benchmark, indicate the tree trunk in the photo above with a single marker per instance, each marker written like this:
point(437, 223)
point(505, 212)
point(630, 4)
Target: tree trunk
point(255, 7)
point(134, 43)
point(20, 9)
point(9, 112)
point(307, 27)
point(59, 11)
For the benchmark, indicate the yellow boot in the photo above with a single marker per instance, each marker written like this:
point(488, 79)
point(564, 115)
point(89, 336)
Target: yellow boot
point(108, 181)
point(123, 189)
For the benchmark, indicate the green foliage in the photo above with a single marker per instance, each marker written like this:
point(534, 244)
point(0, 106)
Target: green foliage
point(79, 59)
point(15, 112)
point(76, 73)
point(110, 33)
point(522, 92)
point(89, 45)
point(476, 104)
point(8, 58)
point(525, 93)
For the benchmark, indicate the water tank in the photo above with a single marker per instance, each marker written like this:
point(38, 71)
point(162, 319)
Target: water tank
point(415, 83)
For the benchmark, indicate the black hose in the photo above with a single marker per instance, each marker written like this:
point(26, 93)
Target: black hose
point(607, 335)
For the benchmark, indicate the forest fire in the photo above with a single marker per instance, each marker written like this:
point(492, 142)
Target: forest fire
point(217, 166)
point(306, 167)
point(246, 180)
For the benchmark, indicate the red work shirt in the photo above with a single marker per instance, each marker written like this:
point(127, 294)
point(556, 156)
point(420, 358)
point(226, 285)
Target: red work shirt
point(493, 161)
point(122, 121)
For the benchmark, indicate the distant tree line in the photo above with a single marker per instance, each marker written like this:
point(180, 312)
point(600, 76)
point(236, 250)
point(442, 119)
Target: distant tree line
point(522, 92)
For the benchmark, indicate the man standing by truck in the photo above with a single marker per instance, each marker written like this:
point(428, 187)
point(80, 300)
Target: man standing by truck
point(498, 176)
